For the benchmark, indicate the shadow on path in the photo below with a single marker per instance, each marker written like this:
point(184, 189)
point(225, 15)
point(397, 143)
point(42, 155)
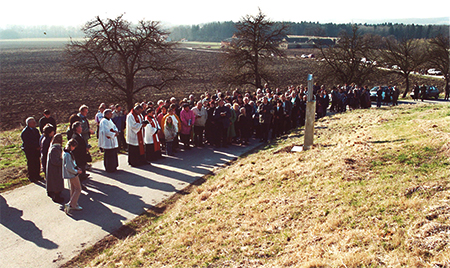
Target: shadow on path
point(11, 218)
point(134, 179)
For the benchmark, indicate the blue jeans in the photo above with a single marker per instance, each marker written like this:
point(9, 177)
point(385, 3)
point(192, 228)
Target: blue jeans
point(169, 145)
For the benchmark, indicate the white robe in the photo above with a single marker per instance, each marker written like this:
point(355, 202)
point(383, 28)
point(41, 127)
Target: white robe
point(132, 129)
point(150, 131)
point(106, 138)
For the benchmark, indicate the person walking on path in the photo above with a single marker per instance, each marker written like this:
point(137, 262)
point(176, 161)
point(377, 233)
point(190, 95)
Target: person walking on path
point(54, 174)
point(107, 140)
point(71, 173)
point(30, 145)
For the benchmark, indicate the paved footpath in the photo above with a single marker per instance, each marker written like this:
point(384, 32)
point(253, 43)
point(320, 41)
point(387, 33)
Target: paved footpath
point(35, 232)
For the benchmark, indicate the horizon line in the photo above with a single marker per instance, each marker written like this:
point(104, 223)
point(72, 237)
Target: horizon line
point(406, 21)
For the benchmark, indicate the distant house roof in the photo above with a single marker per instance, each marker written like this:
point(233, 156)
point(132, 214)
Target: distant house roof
point(303, 41)
point(295, 39)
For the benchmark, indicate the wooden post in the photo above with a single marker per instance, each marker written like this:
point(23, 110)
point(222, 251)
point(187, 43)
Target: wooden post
point(310, 116)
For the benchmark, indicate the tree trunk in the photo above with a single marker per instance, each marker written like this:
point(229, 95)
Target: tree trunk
point(257, 76)
point(405, 94)
point(447, 83)
point(130, 104)
point(130, 92)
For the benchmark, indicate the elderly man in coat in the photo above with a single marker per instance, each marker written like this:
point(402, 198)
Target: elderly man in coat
point(30, 138)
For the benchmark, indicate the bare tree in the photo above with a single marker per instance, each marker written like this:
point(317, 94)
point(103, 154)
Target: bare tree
point(439, 57)
point(255, 44)
point(124, 57)
point(407, 54)
point(352, 59)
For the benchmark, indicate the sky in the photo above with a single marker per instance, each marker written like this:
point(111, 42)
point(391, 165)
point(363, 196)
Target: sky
point(188, 12)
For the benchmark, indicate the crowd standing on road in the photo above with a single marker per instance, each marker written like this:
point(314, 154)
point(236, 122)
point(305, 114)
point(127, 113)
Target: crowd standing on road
point(220, 120)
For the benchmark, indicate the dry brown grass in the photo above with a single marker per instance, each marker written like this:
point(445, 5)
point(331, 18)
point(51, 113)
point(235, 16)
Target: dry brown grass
point(374, 191)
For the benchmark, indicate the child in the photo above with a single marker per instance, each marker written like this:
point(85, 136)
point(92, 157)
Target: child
point(71, 172)
point(169, 132)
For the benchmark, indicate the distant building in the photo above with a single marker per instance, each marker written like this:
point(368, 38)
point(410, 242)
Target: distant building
point(227, 42)
point(301, 41)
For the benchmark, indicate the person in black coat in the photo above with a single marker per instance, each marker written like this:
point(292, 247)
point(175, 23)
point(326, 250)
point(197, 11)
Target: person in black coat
point(244, 126)
point(302, 111)
point(80, 152)
point(44, 143)
point(265, 111)
point(379, 96)
point(287, 108)
point(296, 110)
point(46, 119)
point(416, 91)
point(423, 92)
point(221, 115)
point(209, 125)
point(278, 119)
point(30, 145)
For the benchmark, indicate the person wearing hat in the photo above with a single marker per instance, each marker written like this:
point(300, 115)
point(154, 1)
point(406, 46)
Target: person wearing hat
point(107, 140)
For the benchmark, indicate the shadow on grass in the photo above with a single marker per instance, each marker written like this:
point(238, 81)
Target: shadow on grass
point(382, 142)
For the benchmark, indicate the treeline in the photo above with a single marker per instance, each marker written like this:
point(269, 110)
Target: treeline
point(218, 31)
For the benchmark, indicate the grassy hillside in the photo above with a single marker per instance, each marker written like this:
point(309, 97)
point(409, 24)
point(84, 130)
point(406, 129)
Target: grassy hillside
point(374, 191)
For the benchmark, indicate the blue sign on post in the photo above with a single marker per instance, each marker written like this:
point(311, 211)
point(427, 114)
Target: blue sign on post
point(310, 87)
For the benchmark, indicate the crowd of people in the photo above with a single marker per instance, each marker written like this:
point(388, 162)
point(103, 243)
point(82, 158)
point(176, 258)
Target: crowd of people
point(150, 130)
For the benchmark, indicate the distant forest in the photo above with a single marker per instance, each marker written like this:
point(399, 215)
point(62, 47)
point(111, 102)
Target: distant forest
point(218, 31)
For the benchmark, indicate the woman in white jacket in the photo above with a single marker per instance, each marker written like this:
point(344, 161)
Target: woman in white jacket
point(107, 140)
point(71, 172)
